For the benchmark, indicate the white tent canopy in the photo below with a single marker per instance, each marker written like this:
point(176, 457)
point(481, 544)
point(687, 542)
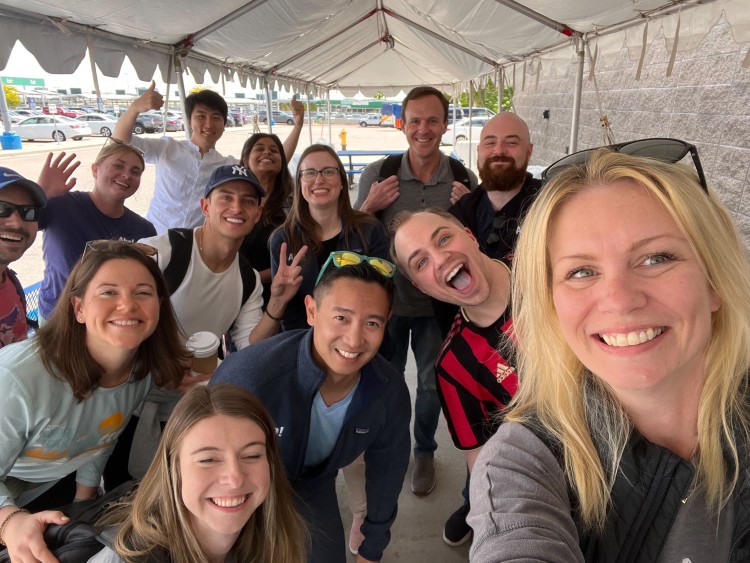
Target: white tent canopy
point(367, 45)
point(354, 45)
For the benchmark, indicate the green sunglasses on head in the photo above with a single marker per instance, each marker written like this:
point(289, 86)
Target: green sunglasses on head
point(341, 258)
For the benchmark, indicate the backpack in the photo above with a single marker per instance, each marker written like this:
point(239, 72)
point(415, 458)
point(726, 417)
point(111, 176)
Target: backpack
point(31, 323)
point(181, 241)
point(392, 163)
point(80, 539)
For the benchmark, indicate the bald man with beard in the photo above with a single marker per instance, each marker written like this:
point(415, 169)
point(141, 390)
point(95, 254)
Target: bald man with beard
point(494, 211)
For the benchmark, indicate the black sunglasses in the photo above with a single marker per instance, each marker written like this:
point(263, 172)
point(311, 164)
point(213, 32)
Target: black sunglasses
point(660, 148)
point(26, 212)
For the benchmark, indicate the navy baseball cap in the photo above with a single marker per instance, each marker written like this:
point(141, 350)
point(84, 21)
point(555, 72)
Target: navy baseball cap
point(10, 177)
point(230, 173)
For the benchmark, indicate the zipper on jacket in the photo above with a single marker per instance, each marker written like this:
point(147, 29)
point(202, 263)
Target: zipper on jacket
point(736, 542)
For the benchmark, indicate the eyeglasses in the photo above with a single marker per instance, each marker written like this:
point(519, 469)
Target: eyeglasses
point(665, 149)
point(124, 144)
point(104, 245)
point(342, 258)
point(504, 229)
point(310, 174)
point(26, 212)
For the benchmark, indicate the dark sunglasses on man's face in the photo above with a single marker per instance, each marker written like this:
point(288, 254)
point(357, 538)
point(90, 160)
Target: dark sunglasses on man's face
point(659, 148)
point(26, 212)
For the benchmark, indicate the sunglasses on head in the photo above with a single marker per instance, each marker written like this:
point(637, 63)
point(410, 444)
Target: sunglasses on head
point(124, 144)
point(659, 148)
point(104, 245)
point(342, 258)
point(26, 212)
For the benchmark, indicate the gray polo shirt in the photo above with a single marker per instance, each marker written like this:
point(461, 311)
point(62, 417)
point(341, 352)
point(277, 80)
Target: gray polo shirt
point(414, 196)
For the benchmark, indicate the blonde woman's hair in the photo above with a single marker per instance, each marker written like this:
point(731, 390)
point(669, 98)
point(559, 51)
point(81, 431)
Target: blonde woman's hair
point(155, 517)
point(113, 147)
point(579, 410)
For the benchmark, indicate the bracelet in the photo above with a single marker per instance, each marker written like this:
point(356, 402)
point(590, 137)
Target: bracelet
point(7, 519)
point(277, 319)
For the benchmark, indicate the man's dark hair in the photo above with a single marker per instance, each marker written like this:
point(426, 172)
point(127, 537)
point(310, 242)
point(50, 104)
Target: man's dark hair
point(421, 92)
point(208, 98)
point(360, 272)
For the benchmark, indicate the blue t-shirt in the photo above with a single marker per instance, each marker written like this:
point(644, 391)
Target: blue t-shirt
point(325, 426)
point(69, 222)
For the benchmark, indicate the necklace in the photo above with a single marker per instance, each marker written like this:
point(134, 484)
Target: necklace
point(692, 491)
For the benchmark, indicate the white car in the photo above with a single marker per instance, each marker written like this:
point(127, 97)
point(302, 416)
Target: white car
point(57, 128)
point(100, 123)
point(461, 129)
point(369, 119)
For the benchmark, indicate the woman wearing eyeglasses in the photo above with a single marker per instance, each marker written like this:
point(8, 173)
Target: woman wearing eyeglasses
point(68, 393)
point(322, 219)
point(628, 438)
point(72, 218)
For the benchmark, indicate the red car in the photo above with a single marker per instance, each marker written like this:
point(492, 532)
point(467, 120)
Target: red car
point(61, 111)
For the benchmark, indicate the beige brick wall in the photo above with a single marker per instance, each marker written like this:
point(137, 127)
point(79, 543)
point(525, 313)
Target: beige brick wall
point(706, 101)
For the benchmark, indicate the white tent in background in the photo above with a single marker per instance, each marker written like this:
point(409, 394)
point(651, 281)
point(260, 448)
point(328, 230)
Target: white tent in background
point(350, 45)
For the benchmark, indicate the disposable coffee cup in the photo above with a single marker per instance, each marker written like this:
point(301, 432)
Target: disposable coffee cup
point(205, 349)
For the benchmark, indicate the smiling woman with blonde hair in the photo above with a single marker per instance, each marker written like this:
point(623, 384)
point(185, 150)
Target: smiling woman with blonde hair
point(628, 438)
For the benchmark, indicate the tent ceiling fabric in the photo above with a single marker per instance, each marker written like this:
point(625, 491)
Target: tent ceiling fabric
point(326, 43)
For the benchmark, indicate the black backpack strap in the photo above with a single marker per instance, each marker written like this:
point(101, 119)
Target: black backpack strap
point(181, 241)
point(249, 279)
point(390, 165)
point(459, 172)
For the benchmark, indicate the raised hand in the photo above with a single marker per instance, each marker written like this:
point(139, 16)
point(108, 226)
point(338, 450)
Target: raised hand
point(56, 176)
point(150, 99)
point(286, 282)
point(381, 195)
point(298, 110)
point(458, 190)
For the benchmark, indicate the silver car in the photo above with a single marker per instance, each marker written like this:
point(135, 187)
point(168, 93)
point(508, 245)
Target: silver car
point(57, 128)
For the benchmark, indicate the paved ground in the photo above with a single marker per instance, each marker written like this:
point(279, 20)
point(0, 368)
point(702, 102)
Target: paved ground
point(416, 535)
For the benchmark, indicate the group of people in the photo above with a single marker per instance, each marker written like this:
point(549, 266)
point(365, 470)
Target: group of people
point(587, 341)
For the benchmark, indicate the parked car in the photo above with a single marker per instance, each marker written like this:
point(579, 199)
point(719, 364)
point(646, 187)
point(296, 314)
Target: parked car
point(27, 112)
point(369, 119)
point(14, 117)
point(44, 127)
point(463, 113)
point(277, 116)
point(100, 123)
point(239, 118)
point(60, 111)
point(148, 122)
point(461, 129)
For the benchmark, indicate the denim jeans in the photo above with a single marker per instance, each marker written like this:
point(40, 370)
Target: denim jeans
point(425, 343)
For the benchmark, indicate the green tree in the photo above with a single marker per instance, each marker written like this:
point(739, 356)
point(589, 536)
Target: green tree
point(11, 96)
point(378, 95)
point(487, 97)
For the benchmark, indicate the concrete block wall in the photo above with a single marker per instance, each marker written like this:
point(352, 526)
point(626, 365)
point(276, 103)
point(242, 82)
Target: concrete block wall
point(705, 101)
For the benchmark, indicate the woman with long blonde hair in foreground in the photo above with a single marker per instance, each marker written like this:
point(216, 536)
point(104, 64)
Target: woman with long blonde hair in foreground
point(628, 438)
point(215, 492)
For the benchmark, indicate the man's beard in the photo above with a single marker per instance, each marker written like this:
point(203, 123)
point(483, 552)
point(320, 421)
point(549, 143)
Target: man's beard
point(502, 179)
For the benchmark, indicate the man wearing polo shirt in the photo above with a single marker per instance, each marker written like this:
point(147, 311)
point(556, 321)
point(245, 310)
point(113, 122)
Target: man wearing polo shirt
point(424, 179)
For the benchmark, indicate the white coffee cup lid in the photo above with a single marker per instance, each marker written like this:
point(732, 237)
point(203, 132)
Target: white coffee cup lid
point(202, 344)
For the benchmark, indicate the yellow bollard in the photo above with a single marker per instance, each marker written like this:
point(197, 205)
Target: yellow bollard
point(342, 136)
